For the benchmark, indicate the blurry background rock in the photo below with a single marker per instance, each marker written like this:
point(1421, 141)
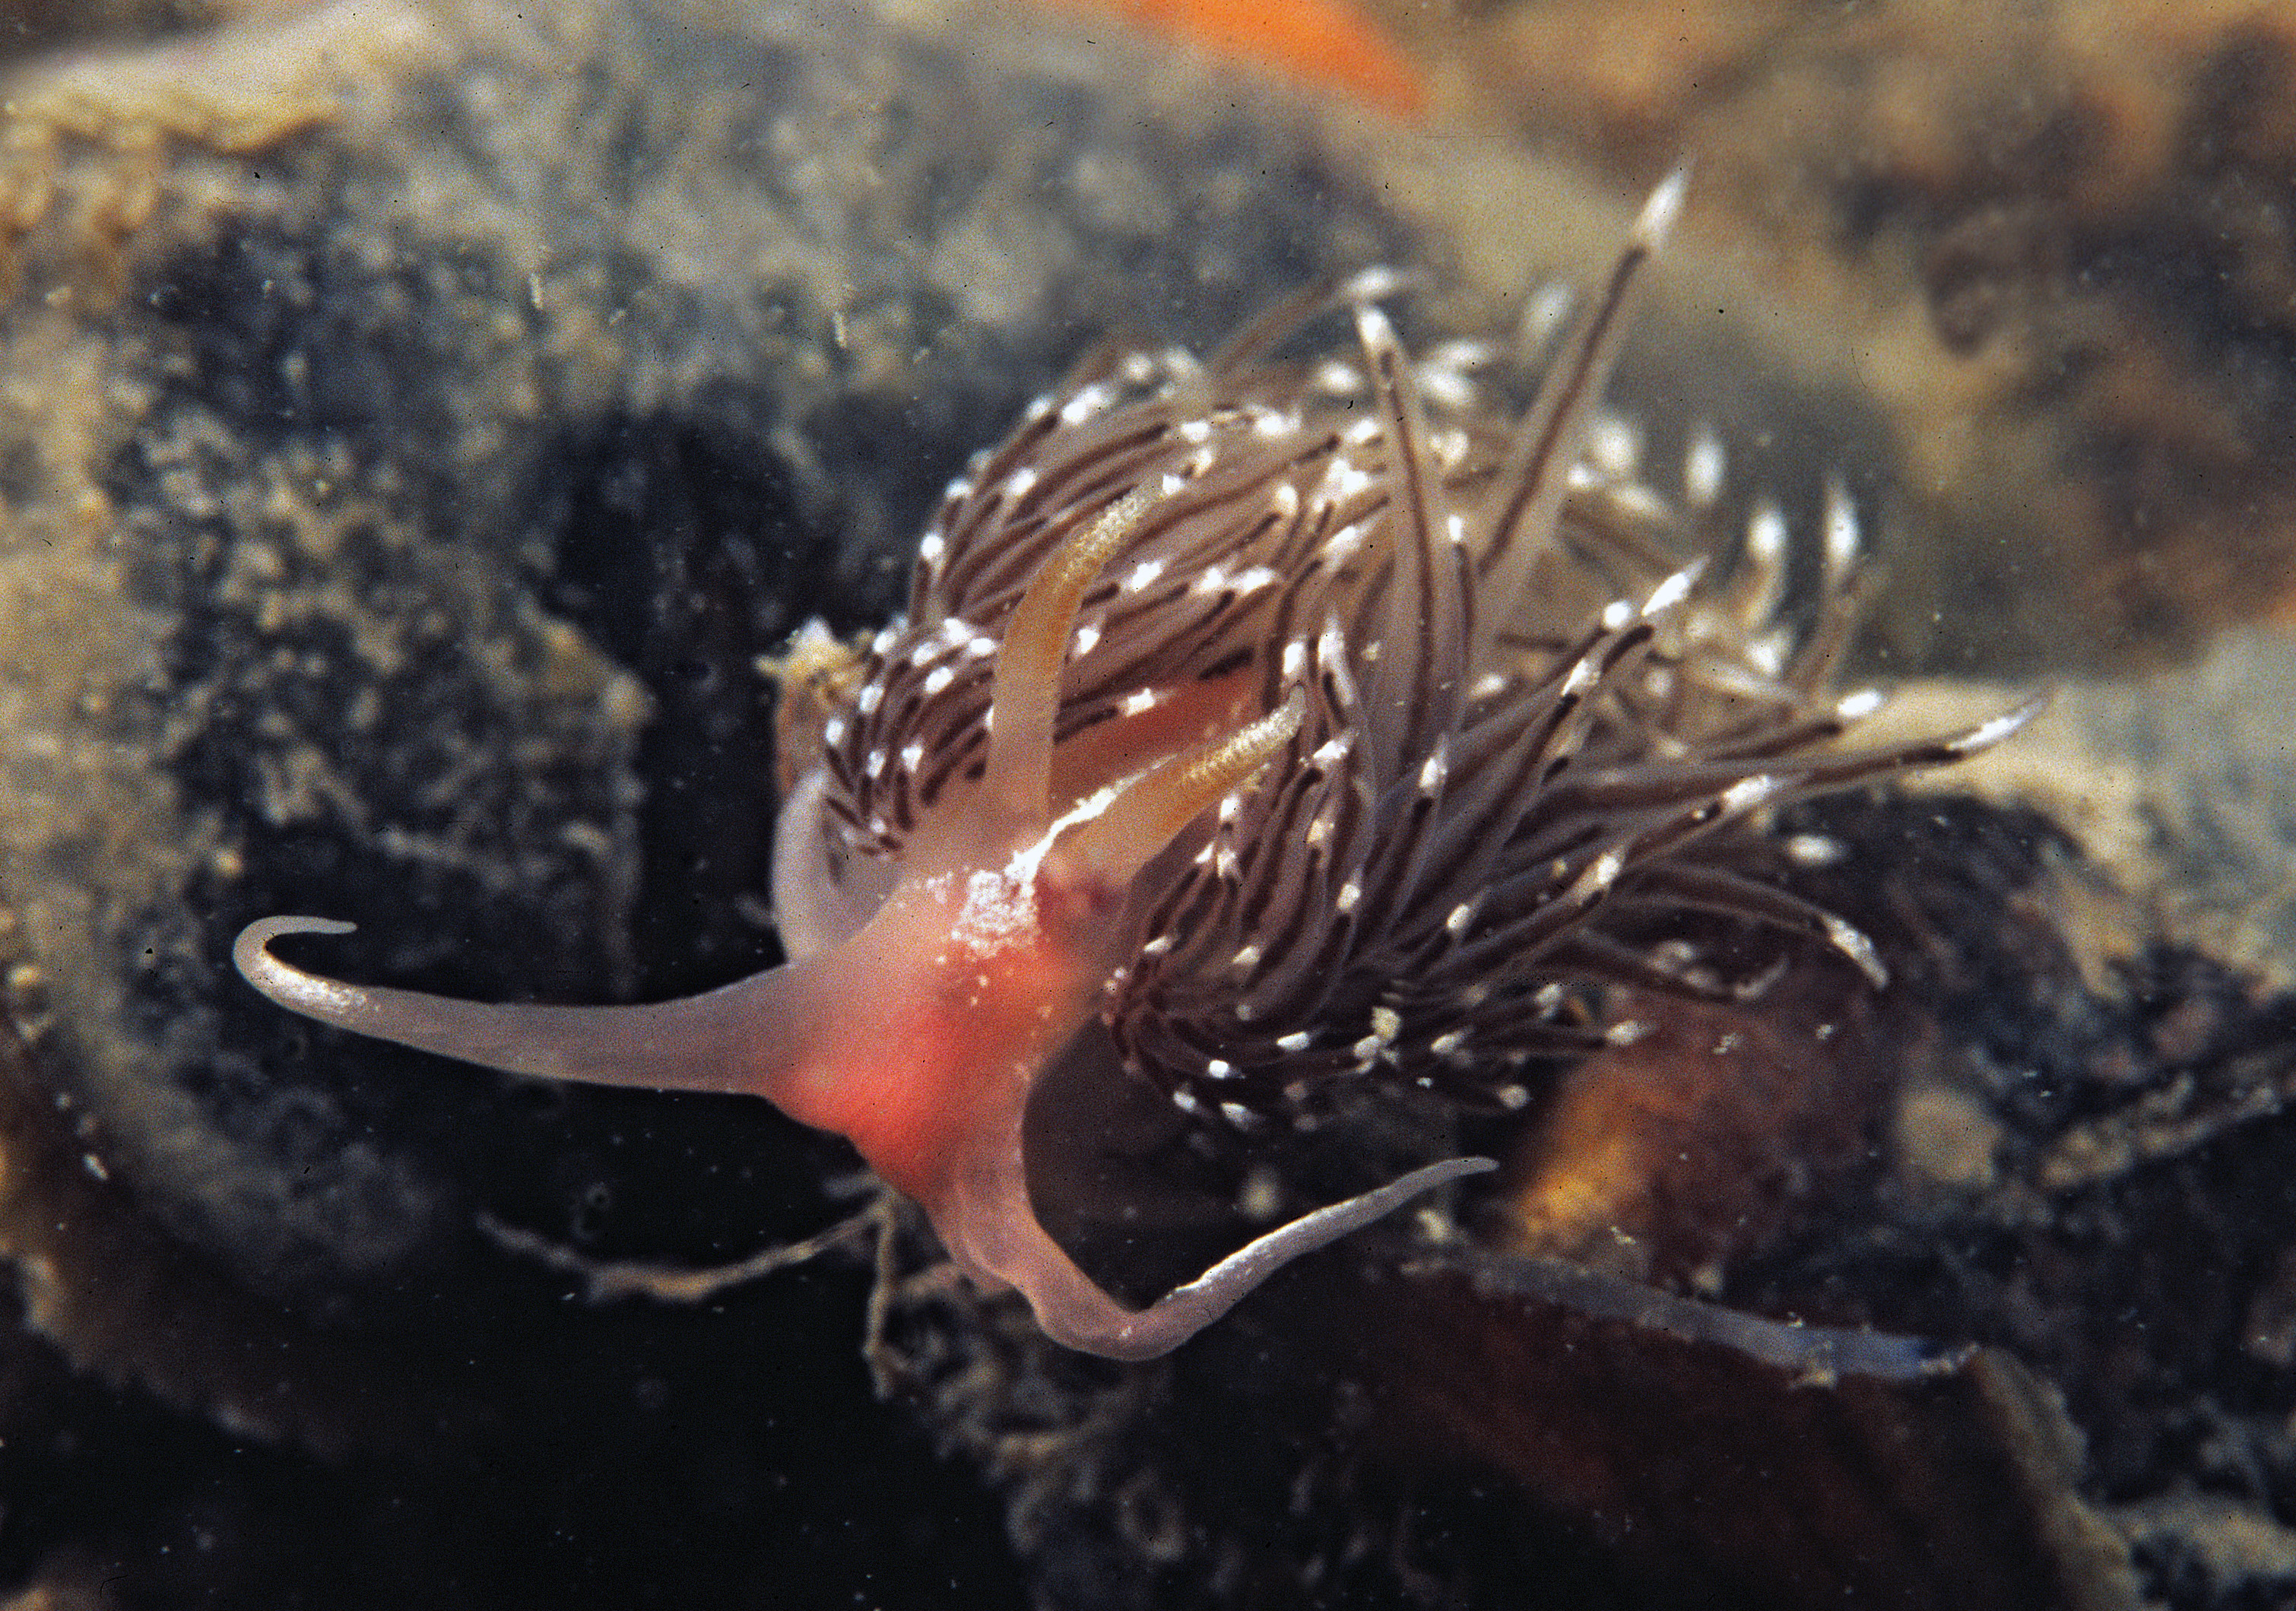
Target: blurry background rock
point(2053, 243)
point(417, 422)
point(28, 25)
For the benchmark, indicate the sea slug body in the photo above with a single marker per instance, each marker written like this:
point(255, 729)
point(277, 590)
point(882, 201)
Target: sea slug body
point(1252, 726)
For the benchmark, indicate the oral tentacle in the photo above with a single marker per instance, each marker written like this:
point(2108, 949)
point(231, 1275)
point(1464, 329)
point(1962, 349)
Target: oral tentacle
point(991, 1227)
point(730, 1039)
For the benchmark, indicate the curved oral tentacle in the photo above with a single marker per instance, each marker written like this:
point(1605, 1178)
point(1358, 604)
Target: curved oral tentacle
point(728, 1038)
point(991, 1227)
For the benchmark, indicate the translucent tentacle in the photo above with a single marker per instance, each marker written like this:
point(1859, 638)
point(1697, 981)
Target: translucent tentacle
point(996, 1233)
point(730, 1039)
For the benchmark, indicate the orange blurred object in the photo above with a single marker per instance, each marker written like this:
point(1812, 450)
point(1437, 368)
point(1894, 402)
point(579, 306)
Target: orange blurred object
point(1325, 42)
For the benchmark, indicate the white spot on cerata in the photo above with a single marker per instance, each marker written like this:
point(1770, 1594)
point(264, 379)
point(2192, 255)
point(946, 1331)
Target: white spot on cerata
point(1284, 500)
point(833, 732)
point(1638, 502)
point(1332, 751)
point(913, 754)
point(1993, 732)
point(1137, 701)
point(1246, 958)
point(1091, 400)
point(1195, 431)
point(1342, 481)
point(1670, 591)
point(1449, 1045)
point(1461, 916)
point(1298, 1041)
point(1211, 578)
point(1143, 575)
point(1815, 849)
point(931, 548)
point(1186, 1101)
point(1598, 877)
point(1157, 947)
point(1018, 484)
point(1613, 445)
point(1295, 658)
point(1087, 637)
point(1446, 388)
point(874, 766)
point(1220, 1068)
point(1434, 769)
point(1704, 464)
point(1543, 313)
point(1350, 892)
point(1387, 1023)
point(1747, 794)
point(1460, 354)
point(1238, 1114)
point(1842, 532)
point(1454, 528)
point(1765, 532)
point(938, 678)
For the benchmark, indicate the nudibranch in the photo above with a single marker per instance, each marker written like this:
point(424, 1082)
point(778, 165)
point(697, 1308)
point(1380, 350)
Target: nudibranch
point(1253, 724)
